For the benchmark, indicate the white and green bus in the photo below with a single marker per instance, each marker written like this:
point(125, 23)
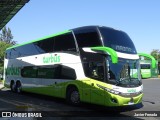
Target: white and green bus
point(93, 64)
point(145, 69)
point(147, 66)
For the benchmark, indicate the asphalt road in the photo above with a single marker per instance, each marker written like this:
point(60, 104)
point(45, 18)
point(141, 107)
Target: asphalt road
point(53, 108)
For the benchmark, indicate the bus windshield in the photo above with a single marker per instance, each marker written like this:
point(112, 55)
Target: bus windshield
point(117, 40)
point(145, 66)
point(125, 73)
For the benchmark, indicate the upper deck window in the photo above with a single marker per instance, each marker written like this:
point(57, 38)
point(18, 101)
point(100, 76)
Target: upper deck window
point(64, 43)
point(87, 38)
point(60, 43)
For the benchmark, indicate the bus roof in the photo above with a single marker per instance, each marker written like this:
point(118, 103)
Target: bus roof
point(60, 33)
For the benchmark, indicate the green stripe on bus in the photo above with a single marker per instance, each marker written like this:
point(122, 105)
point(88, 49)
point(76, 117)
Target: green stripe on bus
point(112, 52)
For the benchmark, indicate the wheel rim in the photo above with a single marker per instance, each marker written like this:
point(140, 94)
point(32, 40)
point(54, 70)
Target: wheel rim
point(13, 87)
point(75, 97)
point(18, 88)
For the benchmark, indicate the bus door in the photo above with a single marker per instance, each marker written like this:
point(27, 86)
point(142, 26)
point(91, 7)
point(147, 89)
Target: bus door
point(94, 70)
point(97, 73)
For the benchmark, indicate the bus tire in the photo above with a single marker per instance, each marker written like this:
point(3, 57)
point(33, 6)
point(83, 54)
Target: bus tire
point(13, 86)
point(18, 87)
point(73, 96)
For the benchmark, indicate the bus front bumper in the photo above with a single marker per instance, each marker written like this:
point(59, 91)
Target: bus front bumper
point(118, 100)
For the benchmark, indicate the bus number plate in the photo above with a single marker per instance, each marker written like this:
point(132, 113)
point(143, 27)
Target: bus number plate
point(130, 103)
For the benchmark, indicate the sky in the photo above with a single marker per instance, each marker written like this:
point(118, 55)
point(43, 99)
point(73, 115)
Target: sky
point(140, 19)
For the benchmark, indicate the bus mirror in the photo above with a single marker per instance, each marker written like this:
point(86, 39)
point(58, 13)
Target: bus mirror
point(153, 61)
point(87, 49)
point(103, 50)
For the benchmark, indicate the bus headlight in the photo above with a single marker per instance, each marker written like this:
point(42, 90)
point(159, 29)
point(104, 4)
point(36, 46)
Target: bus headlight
point(108, 90)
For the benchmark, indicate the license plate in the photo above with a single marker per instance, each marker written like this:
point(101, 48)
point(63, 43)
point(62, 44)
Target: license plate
point(130, 103)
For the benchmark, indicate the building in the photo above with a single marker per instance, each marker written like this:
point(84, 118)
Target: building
point(8, 9)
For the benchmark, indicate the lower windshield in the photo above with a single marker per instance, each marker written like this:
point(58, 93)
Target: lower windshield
point(145, 66)
point(125, 73)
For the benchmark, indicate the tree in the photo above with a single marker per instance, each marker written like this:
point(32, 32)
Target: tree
point(156, 54)
point(6, 36)
point(6, 40)
point(3, 47)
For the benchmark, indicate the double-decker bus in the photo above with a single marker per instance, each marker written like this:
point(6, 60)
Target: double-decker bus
point(148, 66)
point(93, 64)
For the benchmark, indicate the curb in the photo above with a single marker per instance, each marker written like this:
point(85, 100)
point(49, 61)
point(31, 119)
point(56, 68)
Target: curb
point(1, 86)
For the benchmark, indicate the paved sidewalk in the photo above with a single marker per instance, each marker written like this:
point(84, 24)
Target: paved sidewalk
point(1, 86)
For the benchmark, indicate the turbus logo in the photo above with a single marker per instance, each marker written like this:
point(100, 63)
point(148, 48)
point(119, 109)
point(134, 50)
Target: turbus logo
point(51, 59)
point(13, 71)
point(131, 90)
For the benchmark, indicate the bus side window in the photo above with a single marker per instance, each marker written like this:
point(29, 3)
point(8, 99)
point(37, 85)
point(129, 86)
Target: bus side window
point(96, 70)
point(45, 46)
point(45, 72)
point(29, 72)
point(65, 43)
point(64, 72)
point(87, 38)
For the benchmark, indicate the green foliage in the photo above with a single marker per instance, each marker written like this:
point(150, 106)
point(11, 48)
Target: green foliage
point(6, 36)
point(6, 40)
point(156, 54)
point(3, 47)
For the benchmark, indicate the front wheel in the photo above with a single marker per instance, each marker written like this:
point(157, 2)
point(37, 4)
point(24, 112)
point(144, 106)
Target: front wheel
point(73, 96)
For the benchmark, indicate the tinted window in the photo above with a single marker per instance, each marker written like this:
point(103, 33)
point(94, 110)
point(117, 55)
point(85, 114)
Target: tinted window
point(87, 38)
point(59, 43)
point(117, 40)
point(45, 46)
point(96, 70)
point(46, 72)
point(38, 72)
point(145, 66)
point(29, 72)
point(27, 50)
point(93, 65)
point(68, 73)
point(21, 51)
point(49, 72)
point(64, 43)
point(125, 73)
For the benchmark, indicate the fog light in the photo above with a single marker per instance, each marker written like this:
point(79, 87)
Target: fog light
point(113, 100)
